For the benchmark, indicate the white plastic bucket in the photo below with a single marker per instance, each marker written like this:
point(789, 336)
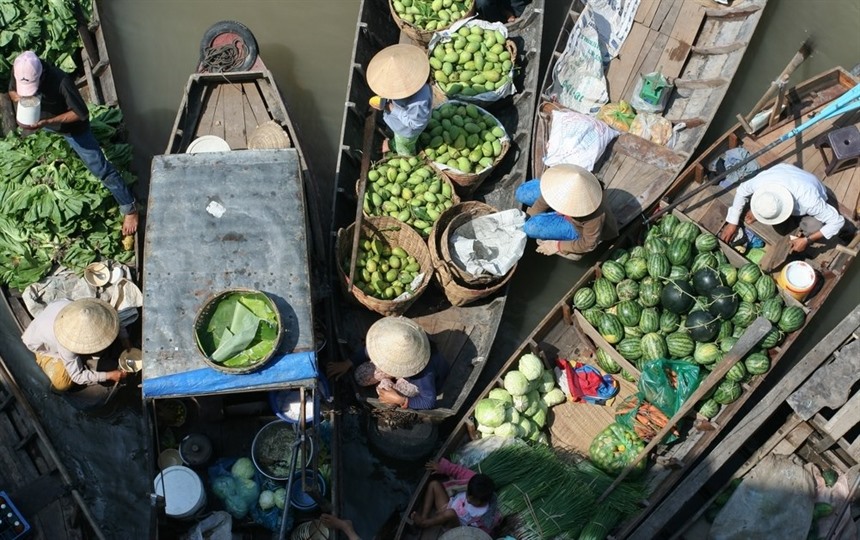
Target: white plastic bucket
point(29, 110)
point(182, 490)
point(207, 143)
point(797, 278)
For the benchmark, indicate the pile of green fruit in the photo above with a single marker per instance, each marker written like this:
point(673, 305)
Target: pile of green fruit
point(408, 190)
point(473, 61)
point(382, 271)
point(463, 137)
point(677, 296)
point(431, 14)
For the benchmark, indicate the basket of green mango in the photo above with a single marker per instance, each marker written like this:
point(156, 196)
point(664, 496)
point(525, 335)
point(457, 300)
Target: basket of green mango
point(419, 19)
point(465, 142)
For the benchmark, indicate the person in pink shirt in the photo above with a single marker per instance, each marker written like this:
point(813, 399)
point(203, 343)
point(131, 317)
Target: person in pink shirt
point(466, 499)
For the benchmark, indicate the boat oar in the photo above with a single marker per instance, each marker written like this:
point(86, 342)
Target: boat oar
point(366, 146)
point(847, 102)
point(750, 339)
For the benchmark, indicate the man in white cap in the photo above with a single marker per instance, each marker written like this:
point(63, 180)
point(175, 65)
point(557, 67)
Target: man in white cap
point(780, 193)
point(65, 333)
point(398, 74)
point(568, 213)
point(400, 360)
point(64, 111)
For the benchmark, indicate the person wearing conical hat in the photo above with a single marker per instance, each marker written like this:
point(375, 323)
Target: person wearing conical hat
point(786, 197)
point(66, 333)
point(400, 360)
point(399, 76)
point(569, 215)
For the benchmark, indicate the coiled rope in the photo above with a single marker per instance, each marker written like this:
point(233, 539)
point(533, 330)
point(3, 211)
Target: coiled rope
point(225, 58)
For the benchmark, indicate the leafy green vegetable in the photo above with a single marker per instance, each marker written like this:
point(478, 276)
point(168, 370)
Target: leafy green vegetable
point(241, 331)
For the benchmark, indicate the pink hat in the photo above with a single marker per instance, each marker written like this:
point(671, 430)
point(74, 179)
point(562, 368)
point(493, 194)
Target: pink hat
point(28, 70)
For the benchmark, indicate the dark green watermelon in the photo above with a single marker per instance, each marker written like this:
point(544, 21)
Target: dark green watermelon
point(677, 296)
point(706, 279)
point(702, 325)
point(724, 302)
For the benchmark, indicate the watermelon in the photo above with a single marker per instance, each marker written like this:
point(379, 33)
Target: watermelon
point(606, 362)
point(584, 298)
point(706, 279)
point(637, 252)
point(593, 316)
point(636, 268)
point(649, 321)
point(604, 291)
point(739, 330)
point(765, 286)
point(791, 319)
point(702, 326)
point(658, 265)
point(613, 271)
point(707, 353)
point(727, 392)
point(630, 348)
point(653, 347)
point(749, 273)
point(649, 292)
point(757, 363)
point(610, 328)
point(629, 312)
point(737, 372)
point(706, 242)
point(726, 329)
point(668, 223)
point(656, 245)
point(773, 338)
point(619, 254)
point(680, 344)
point(709, 408)
point(680, 251)
point(729, 274)
point(745, 291)
point(727, 343)
point(669, 321)
point(771, 309)
point(677, 296)
point(721, 258)
point(687, 230)
point(633, 331)
point(627, 290)
point(724, 302)
point(703, 260)
point(627, 376)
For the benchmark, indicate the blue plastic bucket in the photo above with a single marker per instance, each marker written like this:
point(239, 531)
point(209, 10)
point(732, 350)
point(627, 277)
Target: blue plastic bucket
point(298, 498)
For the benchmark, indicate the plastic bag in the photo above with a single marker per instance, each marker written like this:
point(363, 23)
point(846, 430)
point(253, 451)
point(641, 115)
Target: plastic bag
point(578, 75)
point(216, 526)
point(473, 452)
point(238, 495)
point(577, 139)
point(652, 127)
point(668, 383)
point(618, 116)
point(615, 447)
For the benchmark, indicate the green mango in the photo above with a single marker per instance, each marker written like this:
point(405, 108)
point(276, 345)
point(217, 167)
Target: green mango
point(440, 76)
point(492, 76)
point(464, 164)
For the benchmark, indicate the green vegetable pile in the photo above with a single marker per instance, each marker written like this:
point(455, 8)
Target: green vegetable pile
point(241, 331)
point(431, 14)
point(52, 209)
point(473, 61)
point(47, 28)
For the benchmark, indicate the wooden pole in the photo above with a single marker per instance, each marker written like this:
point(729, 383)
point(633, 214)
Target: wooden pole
point(366, 148)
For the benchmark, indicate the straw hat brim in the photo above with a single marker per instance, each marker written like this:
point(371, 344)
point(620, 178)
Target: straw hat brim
point(781, 193)
point(398, 346)
point(465, 533)
point(269, 135)
point(398, 71)
point(571, 190)
point(86, 326)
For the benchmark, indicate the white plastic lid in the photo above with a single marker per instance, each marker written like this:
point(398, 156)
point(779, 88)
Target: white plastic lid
point(208, 143)
point(182, 490)
point(800, 274)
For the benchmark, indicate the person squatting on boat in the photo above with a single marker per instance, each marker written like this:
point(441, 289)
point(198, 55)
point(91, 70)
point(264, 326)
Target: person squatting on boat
point(568, 214)
point(68, 339)
point(64, 111)
point(506, 11)
point(786, 197)
point(399, 74)
point(400, 360)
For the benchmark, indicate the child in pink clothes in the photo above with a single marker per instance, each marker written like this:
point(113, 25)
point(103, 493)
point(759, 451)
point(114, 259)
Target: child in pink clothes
point(451, 505)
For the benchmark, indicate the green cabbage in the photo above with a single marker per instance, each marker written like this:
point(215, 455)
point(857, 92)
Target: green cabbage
point(516, 383)
point(534, 403)
point(527, 427)
point(521, 403)
point(266, 500)
point(280, 498)
point(501, 394)
point(531, 366)
point(490, 412)
point(547, 381)
point(507, 430)
point(486, 430)
point(539, 417)
point(512, 415)
point(243, 468)
point(554, 397)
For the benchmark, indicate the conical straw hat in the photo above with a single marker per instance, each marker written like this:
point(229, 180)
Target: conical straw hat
point(465, 533)
point(86, 326)
point(571, 190)
point(268, 135)
point(398, 71)
point(398, 346)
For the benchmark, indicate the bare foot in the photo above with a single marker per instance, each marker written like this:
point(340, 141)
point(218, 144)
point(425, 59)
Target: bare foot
point(342, 525)
point(385, 147)
point(129, 223)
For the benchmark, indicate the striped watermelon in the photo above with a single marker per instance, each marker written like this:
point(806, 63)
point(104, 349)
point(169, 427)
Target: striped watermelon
point(630, 348)
point(593, 316)
point(613, 271)
point(620, 255)
point(627, 290)
point(604, 291)
point(727, 392)
point(720, 257)
point(584, 298)
point(658, 265)
point(791, 319)
point(649, 291)
point(633, 331)
point(746, 291)
point(709, 408)
point(636, 268)
point(605, 362)
point(703, 260)
point(744, 316)
point(773, 338)
point(653, 346)
point(757, 363)
point(629, 312)
point(653, 232)
point(680, 344)
point(610, 328)
point(750, 272)
point(679, 272)
point(706, 242)
point(627, 376)
point(765, 286)
point(687, 230)
point(668, 223)
point(680, 251)
point(771, 309)
point(739, 330)
point(707, 353)
point(638, 251)
point(729, 274)
point(656, 245)
point(669, 322)
point(727, 343)
point(649, 320)
point(737, 372)
point(726, 329)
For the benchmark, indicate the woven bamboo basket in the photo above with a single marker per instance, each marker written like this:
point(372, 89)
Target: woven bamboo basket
point(419, 35)
point(458, 290)
point(392, 233)
point(439, 174)
point(269, 135)
point(439, 95)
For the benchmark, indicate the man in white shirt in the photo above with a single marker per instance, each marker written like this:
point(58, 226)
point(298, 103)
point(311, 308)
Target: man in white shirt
point(777, 194)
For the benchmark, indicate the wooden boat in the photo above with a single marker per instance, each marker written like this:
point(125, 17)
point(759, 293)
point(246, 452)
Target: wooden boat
point(699, 45)
point(63, 484)
point(269, 249)
point(801, 417)
point(464, 335)
point(565, 332)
